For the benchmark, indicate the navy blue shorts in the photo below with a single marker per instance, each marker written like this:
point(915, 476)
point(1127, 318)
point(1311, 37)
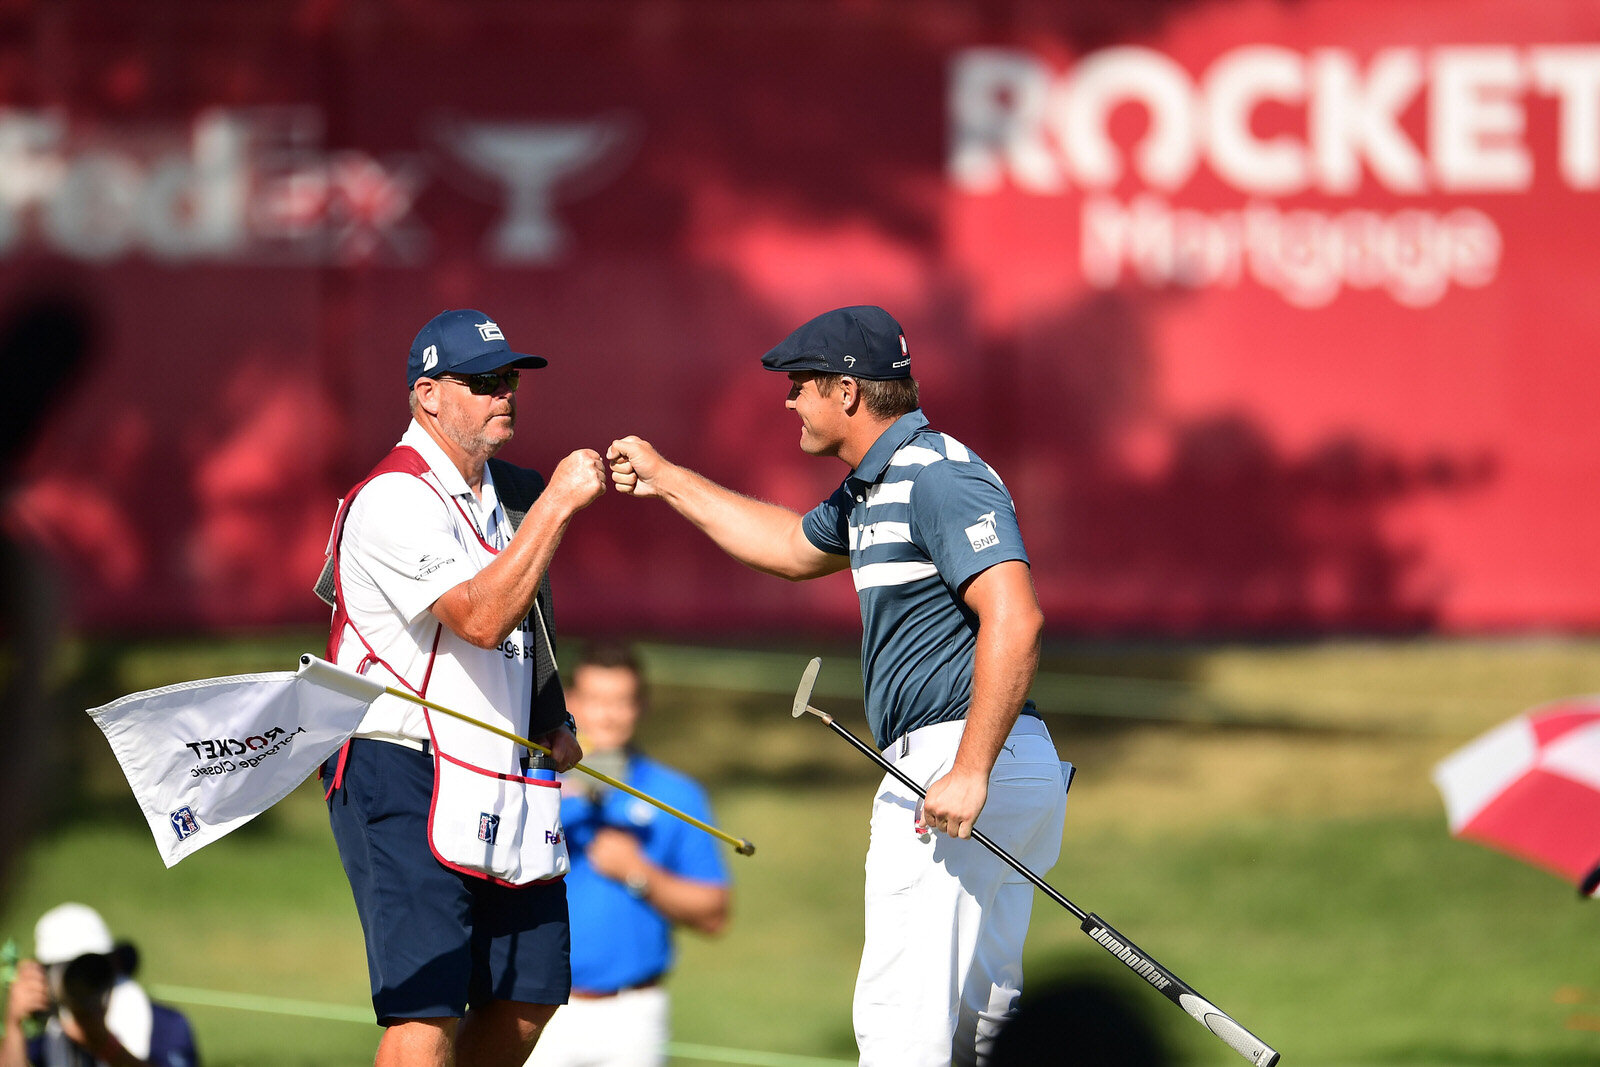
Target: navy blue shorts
point(437, 940)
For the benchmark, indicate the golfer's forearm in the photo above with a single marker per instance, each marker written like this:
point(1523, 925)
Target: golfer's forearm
point(766, 537)
point(1004, 664)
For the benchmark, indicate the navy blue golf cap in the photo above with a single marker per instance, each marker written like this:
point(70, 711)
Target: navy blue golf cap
point(462, 342)
point(863, 342)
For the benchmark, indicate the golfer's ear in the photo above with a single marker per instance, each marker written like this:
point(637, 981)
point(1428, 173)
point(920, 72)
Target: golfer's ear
point(849, 392)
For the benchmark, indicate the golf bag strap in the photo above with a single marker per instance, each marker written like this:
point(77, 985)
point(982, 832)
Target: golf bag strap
point(518, 488)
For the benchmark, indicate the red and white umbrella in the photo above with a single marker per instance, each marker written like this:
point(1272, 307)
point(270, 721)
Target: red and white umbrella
point(1531, 787)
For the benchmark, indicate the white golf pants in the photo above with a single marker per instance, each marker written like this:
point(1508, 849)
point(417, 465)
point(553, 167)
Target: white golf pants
point(941, 969)
point(627, 1030)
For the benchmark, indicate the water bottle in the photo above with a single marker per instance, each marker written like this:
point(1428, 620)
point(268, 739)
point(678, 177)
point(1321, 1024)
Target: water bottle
point(541, 767)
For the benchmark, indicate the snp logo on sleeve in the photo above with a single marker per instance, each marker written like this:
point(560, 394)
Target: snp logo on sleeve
point(982, 533)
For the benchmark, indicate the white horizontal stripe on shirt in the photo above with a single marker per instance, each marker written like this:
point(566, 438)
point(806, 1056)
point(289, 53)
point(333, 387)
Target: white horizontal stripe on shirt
point(889, 492)
point(873, 575)
point(877, 533)
point(914, 456)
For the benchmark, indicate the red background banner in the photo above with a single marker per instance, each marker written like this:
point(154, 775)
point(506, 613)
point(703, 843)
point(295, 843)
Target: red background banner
point(1275, 317)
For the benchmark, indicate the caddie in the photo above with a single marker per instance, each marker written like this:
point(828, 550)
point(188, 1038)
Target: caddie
point(454, 850)
point(951, 636)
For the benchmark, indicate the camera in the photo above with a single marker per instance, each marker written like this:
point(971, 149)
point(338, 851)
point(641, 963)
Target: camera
point(84, 981)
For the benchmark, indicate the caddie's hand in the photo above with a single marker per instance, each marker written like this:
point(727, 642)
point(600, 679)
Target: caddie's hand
point(615, 853)
point(30, 993)
point(564, 748)
point(953, 804)
point(578, 480)
point(634, 466)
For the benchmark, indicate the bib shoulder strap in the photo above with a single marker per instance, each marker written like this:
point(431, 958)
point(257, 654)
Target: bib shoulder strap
point(403, 459)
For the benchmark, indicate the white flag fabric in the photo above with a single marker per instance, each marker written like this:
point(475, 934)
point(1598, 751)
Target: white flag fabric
point(206, 757)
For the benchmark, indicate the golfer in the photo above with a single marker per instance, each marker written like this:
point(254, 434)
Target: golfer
point(453, 849)
point(951, 632)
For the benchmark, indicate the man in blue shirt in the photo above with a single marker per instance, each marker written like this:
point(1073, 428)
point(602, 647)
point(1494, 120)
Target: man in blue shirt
point(635, 875)
point(951, 631)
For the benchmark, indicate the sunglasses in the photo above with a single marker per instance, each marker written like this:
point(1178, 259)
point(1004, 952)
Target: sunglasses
point(486, 384)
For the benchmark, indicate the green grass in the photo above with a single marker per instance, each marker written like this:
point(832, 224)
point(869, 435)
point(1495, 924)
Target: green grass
point(1297, 874)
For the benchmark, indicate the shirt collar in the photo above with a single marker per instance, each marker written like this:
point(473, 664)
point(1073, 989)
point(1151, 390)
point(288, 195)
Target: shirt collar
point(443, 469)
point(876, 461)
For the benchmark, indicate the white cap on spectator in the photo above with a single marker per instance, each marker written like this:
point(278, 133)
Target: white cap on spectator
point(68, 931)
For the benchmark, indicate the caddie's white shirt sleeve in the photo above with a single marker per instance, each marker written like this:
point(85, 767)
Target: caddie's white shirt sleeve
point(401, 543)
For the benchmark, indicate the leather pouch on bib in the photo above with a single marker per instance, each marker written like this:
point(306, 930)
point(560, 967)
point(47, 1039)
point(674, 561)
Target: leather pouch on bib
point(501, 827)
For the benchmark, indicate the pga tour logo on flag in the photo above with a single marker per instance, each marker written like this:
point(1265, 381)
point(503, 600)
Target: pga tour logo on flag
point(184, 823)
point(488, 827)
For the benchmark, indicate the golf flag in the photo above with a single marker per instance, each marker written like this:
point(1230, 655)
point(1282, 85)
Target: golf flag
point(206, 757)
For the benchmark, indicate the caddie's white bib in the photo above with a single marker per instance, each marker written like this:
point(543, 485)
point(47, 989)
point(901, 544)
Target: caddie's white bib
point(414, 531)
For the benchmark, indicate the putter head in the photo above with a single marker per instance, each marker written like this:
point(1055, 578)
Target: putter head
point(808, 681)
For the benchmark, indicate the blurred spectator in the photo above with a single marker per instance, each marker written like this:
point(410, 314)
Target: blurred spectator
point(53, 330)
point(636, 874)
point(78, 999)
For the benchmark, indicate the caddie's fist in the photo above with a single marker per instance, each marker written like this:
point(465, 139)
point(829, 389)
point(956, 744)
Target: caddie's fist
point(579, 479)
point(634, 465)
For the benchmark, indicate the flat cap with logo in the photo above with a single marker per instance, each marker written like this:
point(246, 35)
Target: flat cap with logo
point(462, 342)
point(863, 341)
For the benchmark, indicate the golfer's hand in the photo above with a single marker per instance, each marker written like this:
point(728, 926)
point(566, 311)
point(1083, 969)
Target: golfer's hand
point(953, 803)
point(30, 993)
point(564, 748)
point(615, 853)
point(635, 464)
point(578, 481)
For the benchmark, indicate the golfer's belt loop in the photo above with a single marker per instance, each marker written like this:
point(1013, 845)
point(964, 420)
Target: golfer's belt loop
point(905, 745)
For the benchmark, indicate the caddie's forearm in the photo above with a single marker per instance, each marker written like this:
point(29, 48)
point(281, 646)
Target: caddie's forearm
point(487, 608)
point(758, 534)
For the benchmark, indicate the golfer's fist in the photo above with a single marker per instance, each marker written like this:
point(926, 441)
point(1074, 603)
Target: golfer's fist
point(635, 464)
point(953, 802)
point(578, 480)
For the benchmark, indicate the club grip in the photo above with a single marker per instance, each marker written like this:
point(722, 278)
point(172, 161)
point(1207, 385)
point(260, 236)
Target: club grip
point(1175, 989)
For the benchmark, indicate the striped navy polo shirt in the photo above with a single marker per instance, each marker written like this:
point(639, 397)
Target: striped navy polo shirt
point(919, 517)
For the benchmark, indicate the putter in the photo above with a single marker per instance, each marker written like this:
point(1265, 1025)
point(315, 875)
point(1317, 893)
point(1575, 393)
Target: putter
point(1109, 938)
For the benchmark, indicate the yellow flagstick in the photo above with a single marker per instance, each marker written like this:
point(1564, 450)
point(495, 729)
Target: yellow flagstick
point(741, 846)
